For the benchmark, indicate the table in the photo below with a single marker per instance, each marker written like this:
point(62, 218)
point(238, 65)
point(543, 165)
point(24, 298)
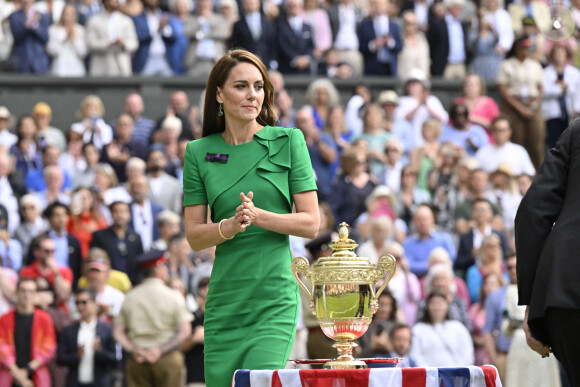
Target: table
point(472, 376)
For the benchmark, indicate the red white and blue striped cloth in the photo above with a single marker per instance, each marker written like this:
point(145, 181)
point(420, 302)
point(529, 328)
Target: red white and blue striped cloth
point(472, 376)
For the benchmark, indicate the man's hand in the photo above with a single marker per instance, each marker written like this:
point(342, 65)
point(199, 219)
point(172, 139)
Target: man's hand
point(152, 355)
point(534, 343)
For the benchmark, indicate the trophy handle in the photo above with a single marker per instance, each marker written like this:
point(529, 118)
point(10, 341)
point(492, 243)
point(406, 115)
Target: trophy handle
point(301, 265)
point(386, 262)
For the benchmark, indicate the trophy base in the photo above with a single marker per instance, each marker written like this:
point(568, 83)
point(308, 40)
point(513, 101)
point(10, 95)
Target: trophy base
point(345, 365)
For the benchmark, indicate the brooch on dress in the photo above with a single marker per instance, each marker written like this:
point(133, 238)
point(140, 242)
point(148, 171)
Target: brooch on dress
point(221, 157)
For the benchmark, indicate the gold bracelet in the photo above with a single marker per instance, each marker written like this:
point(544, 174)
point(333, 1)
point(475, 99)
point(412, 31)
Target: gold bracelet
point(220, 230)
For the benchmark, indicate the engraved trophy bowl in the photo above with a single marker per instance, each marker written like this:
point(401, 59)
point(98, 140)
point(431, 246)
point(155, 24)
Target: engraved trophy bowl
point(342, 294)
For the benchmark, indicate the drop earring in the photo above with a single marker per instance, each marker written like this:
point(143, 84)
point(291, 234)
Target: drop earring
point(220, 111)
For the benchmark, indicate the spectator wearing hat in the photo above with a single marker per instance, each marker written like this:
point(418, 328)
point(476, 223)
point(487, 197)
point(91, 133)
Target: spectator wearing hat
point(7, 138)
point(537, 10)
point(400, 128)
point(254, 32)
point(415, 52)
point(46, 134)
point(418, 105)
point(469, 137)
point(87, 347)
point(380, 40)
point(502, 150)
point(193, 345)
point(151, 332)
point(98, 276)
point(111, 43)
point(27, 340)
point(30, 31)
point(120, 241)
point(520, 82)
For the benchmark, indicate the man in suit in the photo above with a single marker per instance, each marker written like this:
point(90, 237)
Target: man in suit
point(87, 347)
point(294, 40)
point(143, 211)
point(154, 32)
point(546, 242)
point(470, 242)
point(207, 33)
point(254, 33)
point(120, 241)
point(344, 19)
point(163, 188)
point(448, 40)
point(111, 40)
point(30, 31)
point(380, 40)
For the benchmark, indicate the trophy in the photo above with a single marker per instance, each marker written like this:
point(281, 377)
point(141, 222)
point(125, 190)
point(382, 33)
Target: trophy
point(342, 294)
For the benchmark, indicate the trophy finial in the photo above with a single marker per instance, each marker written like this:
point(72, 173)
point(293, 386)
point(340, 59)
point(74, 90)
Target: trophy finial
point(343, 231)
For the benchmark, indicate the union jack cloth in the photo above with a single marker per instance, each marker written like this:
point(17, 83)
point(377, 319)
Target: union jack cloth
point(472, 376)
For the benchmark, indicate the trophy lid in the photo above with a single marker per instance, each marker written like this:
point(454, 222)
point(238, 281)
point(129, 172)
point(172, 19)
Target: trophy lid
point(343, 246)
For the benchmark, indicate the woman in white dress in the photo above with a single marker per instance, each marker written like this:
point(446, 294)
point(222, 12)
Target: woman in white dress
point(67, 45)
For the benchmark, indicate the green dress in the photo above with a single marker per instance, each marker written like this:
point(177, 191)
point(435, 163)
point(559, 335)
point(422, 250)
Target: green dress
point(252, 305)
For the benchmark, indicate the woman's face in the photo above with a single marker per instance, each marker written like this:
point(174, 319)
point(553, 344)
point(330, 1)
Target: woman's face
point(102, 180)
point(68, 15)
point(30, 212)
point(560, 56)
point(441, 283)
point(472, 87)
point(491, 252)
point(91, 109)
point(373, 119)
point(91, 155)
point(321, 96)
point(429, 133)
point(86, 200)
point(385, 308)
point(380, 232)
point(415, 89)
point(491, 284)
point(336, 118)
point(410, 23)
point(438, 308)
point(27, 128)
point(242, 94)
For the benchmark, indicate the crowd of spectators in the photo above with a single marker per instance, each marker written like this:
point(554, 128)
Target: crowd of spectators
point(435, 186)
point(340, 39)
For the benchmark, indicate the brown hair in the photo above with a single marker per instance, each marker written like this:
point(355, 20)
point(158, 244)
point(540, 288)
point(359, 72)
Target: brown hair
point(212, 123)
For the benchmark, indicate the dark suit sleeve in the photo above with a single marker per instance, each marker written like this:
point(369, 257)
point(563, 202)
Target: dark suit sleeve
point(396, 34)
point(107, 354)
point(464, 256)
point(67, 351)
point(539, 210)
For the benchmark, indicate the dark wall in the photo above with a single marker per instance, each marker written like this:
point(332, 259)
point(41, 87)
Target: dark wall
point(19, 93)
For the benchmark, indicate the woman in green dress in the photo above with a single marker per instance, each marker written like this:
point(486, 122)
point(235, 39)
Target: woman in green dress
point(257, 183)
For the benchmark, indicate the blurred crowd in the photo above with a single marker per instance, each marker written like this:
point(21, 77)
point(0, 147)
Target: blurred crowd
point(435, 186)
point(338, 39)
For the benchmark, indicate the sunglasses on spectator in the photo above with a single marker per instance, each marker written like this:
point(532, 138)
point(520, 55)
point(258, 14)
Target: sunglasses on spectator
point(82, 302)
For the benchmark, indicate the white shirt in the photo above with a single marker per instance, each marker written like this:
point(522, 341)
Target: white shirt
point(490, 156)
point(408, 104)
point(392, 175)
point(86, 338)
point(478, 236)
point(100, 138)
point(442, 345)
point(552, 92)
point(254, 24)
point(157, 47)
point(502, 23)
point(422, 13)
point(9, 201)
point(143, 222)
point(113, 297)
point(112, 26)
point(156, 185)
point(7, 139)
point(456, 40)
point(346, 38)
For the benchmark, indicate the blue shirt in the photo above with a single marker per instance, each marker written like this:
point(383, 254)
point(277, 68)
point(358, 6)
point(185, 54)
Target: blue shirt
point(474, 279)
point(60, 248)
point(12, 256)
point(35, 181)
point(322, 169)
point(456, 40)
point(417, 250)
point(494, 307)
point(475, 133)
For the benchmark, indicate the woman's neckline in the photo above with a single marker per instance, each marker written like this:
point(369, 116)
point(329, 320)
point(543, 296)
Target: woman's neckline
point(221, 135)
